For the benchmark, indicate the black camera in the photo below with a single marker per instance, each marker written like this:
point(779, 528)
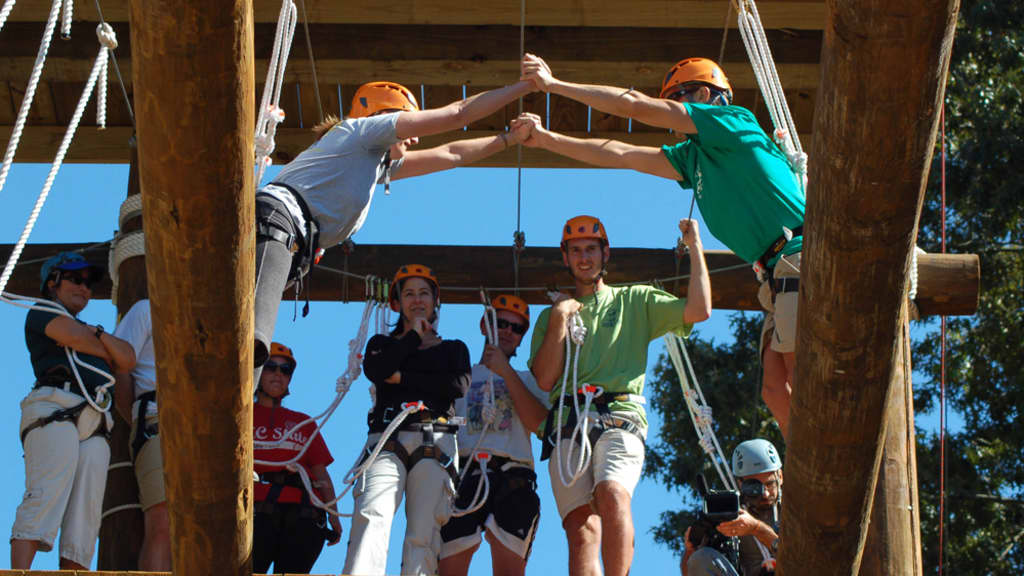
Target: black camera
point(719, 506)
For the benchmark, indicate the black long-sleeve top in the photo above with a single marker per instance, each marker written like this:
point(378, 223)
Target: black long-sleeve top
point(436, 375)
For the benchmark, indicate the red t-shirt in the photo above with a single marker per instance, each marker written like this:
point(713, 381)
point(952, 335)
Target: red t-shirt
point(266, 430)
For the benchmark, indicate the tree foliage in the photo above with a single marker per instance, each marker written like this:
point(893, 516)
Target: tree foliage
point(984, 517)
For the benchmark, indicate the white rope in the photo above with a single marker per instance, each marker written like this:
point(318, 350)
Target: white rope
point(118, 465)
point(700, 412)
point(65, 23)
point(123, 247)
point(130, 208)
point(483, 487)
point(5, 12)
point(912, 292)
point(270, 114)
point(756, 43)
point(121, 508)
point(576, 333)
point(30, 93)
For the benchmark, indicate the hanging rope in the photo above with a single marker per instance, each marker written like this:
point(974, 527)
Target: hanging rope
point(519, 237)
point(756, 44)
point(270, 114)
point(117, 71)
point(30, 92)
point(5, 11)
point(942, 375)
point(576, 334)
point(312, 62)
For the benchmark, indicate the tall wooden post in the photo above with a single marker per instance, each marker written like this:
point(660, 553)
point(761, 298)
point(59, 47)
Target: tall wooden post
point(192, 65)
point(893, 543)
point(883, 70)
point(121, 532)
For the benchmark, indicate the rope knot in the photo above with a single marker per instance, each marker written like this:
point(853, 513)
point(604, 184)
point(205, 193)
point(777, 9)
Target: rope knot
point(264, 144)
point(577, 331)
point(105, 34)
point(275, 114)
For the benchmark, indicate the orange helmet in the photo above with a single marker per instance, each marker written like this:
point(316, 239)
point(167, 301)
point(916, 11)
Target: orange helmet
point(412, 271)
point(278, 349)
point(583, 227)
point(374, 97)
point(693, 70)
point(513, 304)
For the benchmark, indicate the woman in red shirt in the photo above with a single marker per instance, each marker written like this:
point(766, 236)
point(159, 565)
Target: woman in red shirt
point(289, 532)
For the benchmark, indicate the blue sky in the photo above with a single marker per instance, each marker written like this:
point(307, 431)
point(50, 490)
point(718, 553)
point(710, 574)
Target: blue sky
point(469, 206)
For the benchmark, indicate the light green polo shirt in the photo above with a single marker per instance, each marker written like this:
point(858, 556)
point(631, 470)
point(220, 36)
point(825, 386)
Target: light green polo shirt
point(745, 187)
point(620, 323)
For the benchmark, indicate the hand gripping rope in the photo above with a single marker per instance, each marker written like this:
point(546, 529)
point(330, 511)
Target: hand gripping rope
point(270, 114)
point(756, 43)
point(577, 332)
point(488, 413)
point(108, 41)
point(344, 383)
point(700, 414)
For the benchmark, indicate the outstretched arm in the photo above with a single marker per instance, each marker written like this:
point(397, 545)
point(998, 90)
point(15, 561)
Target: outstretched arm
point(457, 153)
point(459, 113)
point(624, 102)
point(698, 292)
point(598, 151)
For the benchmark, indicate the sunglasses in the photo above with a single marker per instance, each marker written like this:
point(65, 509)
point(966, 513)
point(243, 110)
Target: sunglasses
point(78, 279)
point(517, 328)
point(284, 368)
point(683, 93)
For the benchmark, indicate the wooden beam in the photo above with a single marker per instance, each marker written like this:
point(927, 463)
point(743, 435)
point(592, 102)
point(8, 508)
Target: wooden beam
point(808, 14)
point(863, 202)
point(194, 96)
point(948, 284)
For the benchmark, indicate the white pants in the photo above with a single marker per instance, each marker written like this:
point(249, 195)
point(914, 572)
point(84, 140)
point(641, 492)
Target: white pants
point(378, 493)
point(64, 482)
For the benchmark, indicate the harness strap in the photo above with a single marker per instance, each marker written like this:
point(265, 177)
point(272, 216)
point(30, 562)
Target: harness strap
point(278, 480)
point(142, 431)
point(61, 415)
point(606, 422)
point(776, 247)
point(783, 285)
point(426, 451)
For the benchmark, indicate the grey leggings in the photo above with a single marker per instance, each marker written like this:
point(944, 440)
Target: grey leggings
point(273, 271)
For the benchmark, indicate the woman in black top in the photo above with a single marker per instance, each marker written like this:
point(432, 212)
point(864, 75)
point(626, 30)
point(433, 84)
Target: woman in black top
point(410, 365)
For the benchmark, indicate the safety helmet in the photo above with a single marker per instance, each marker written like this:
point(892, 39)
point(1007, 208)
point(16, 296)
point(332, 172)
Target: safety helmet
point(755, 457)
point(374, 97)
point(583, 227)
point(693, 70)
point(278, 349)
point(413, 271)
point(68, 262)
point(513, 304)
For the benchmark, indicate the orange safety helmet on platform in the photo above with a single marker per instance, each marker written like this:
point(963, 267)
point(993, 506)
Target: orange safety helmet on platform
point(513, 304)
point(374, 97)
point(583, 227)
point(413, 271)
point(693, 70)
point(278, 349)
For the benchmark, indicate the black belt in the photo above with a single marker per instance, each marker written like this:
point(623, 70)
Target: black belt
point(379, 419)
point(776, 246)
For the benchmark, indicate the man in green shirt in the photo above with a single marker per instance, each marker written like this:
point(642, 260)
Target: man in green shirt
point(594, 500)
point(751, 198)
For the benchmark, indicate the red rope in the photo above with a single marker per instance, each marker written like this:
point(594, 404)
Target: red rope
point(942, 390)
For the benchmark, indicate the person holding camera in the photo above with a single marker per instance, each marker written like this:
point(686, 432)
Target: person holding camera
point(757, 466)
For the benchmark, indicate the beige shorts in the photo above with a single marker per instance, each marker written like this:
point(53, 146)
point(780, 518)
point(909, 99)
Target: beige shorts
point(149, 473)
point(618, 456)
point(64, 481)
point(779, 329)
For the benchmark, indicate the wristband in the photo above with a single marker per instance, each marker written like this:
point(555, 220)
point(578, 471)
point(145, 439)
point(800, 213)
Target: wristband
point(99, 330)
point(504, 139)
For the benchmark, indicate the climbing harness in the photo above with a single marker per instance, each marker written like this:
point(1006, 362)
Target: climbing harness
point(576, 333)
point(270, 114)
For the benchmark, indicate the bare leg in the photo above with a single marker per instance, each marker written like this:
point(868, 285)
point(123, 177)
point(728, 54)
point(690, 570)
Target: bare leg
point(22, 553)
point(504, 562)
point(776, 389)
point(613, 504)
point(583, 530)
point(457, 565)
point(155, 555)
point(66, 564)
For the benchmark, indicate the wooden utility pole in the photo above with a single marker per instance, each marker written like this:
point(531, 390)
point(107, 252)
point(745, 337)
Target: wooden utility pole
point(893, 543)
point(121, 532)
point(884, 67)
point(194, 98)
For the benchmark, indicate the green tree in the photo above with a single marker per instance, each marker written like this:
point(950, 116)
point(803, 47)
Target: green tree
point(984, 516)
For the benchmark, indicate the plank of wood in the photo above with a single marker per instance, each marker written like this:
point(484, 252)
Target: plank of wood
point(807, 14)
point(463, 269)
point(862, 210)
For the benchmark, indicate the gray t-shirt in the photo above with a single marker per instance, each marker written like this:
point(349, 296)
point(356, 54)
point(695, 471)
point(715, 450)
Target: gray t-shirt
point(336, 176)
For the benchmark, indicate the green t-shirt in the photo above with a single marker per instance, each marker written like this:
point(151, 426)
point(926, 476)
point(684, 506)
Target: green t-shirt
point(620, 323)
point(50, 361)
point(744, 185)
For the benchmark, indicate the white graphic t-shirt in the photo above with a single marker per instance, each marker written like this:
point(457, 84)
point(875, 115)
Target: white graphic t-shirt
point(507, 437)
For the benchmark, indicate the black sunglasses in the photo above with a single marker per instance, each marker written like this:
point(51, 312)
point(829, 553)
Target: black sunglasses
point(284, 368)
point(683, 92)
point(517, 328)
point(78, 279)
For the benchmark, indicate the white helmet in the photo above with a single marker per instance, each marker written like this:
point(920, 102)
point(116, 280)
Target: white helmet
point(755, 457)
